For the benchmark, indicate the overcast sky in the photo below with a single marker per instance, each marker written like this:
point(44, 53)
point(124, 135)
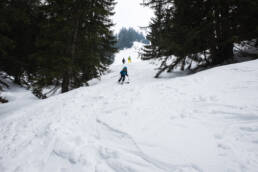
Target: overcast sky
point(129, 13)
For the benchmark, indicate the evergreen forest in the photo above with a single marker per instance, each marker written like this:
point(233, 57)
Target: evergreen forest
point(55, 43)
point(200, 33)
point(126, 38)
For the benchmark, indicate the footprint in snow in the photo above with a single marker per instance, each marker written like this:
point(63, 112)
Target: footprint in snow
point(249, 129)
point(255, 141)
point(224, 147)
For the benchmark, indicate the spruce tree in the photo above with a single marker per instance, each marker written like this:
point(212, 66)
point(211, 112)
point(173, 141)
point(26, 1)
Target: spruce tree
point(60, 43)
point(198, 30)
point(75, 44)
point(126, 38)
point(17, 33)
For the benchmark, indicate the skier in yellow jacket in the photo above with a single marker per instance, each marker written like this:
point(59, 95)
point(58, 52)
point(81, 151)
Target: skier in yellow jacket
point(129, 59)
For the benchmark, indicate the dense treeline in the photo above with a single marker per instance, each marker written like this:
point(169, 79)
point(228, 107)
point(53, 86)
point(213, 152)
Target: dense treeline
point(126, 38)
point(199, 31)
point(60, 43)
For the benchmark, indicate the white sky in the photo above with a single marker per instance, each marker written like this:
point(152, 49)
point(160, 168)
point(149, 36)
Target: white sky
point(129, 13)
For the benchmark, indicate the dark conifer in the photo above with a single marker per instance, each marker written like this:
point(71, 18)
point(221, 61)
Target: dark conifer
point(198, 30)
point(126, 38)
point(76, 42)
point(60, 43)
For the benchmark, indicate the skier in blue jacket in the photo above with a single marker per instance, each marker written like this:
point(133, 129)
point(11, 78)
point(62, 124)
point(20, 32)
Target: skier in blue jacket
point(123, 73)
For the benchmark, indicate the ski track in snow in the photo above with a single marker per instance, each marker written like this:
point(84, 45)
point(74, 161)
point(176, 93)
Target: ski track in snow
point(206, 122)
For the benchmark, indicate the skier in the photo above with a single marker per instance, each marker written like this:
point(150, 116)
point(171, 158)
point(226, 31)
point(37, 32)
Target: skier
point(123, 73)
point(129, 59)
point(123, 61)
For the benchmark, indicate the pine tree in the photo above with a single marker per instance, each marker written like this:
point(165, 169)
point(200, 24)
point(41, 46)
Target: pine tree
point(126, 38)
point(60, 43)
point(76, 43)
point(198, 30)
point(17, 33)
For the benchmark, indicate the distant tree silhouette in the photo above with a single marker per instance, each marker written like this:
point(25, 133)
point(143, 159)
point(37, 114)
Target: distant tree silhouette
point(126, 37)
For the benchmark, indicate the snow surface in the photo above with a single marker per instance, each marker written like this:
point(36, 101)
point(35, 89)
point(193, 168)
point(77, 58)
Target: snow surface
point(206, 122)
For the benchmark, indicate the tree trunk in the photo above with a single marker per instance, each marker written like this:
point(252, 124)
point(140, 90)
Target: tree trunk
point(223, 49)
point(182, 65)
point(225, 53)
point(228, 51)
point(67, 76)
point(17, 80)
point(74, 83)
point(65, 83)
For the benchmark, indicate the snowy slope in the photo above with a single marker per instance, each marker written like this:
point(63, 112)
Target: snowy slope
point(18, 98)
point(206, 122)
point(132, 52)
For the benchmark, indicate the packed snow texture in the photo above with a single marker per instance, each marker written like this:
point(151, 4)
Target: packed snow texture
point(205, 122)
